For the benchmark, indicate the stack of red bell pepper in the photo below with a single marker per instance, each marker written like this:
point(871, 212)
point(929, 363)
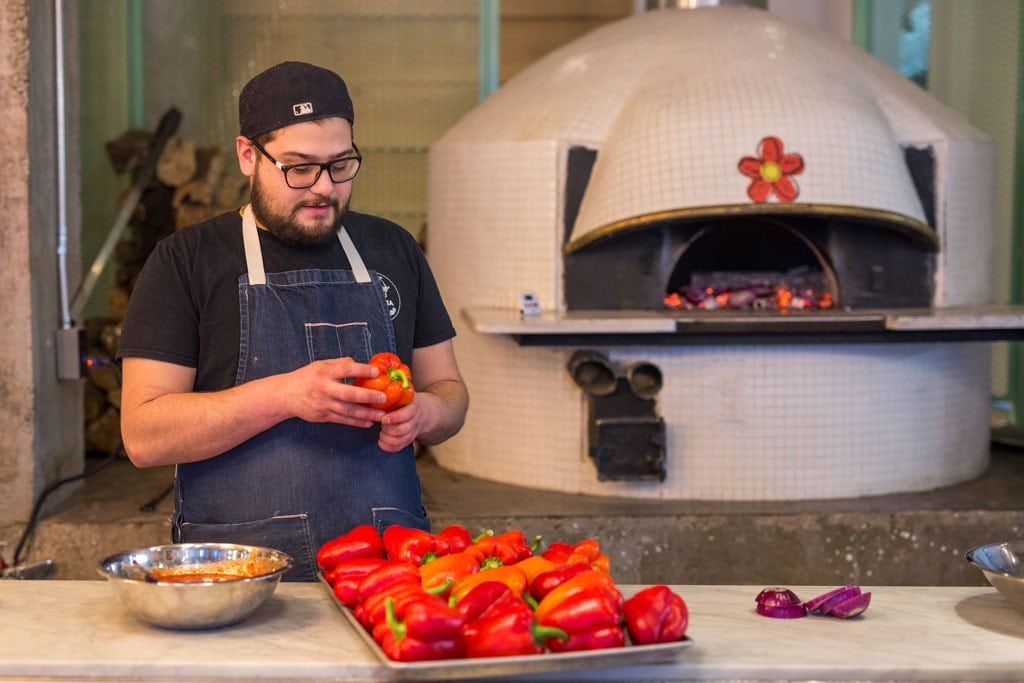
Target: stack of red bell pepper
point(437, 596)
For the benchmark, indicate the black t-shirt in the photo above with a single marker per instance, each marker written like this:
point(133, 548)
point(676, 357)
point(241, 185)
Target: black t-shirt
point(184, 308)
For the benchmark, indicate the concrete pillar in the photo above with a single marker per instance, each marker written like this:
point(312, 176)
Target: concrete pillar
point(41, 433)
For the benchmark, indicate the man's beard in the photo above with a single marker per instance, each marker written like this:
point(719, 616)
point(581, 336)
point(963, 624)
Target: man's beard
point(285, 226)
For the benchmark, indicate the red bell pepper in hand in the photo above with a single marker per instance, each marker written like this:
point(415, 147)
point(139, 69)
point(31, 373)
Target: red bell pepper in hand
point(656, 615)
point(584, 614)
point(458, 538)
point(346, 577)
point(550, 580)
point(394, 379)
point(428, 632)
point(506, 632)
point(361, 541)
point(405, 544)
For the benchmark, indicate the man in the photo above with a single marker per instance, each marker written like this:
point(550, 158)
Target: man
point(245, 334)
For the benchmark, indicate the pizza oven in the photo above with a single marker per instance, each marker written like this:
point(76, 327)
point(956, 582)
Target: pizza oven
point(762, 260)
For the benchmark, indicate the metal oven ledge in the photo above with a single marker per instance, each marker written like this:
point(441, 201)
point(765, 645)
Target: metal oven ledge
point(985, 323)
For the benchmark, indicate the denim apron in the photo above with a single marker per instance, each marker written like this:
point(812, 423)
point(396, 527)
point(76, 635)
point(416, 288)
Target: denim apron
point(299, 484)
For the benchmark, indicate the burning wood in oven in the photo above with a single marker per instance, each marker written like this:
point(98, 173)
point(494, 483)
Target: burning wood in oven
point(797, 288)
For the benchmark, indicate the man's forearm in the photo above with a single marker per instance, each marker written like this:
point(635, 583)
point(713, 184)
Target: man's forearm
point(188, 427)
point(448, 403)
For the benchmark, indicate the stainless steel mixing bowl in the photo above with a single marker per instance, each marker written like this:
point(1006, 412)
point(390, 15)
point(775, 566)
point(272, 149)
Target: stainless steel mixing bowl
point(1003, 566)
point(159, 585)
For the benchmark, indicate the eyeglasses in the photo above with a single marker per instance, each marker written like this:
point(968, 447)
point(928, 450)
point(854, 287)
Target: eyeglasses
point(301, 176)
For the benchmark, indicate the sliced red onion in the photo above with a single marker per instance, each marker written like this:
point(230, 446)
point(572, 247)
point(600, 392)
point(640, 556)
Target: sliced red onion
point(779, 603)
point(820, 604)
point(777, 595)
point(782, 611)
point(850, 607)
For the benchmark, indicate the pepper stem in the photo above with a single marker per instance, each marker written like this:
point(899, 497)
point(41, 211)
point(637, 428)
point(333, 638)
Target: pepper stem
point(397, 375)
point(541, 633)
point(439, 588)
point(535, 546)
point(482, 535)
point(397, 627)
point(491, 562)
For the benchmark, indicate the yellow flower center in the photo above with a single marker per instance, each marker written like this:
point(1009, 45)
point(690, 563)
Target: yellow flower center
point(771, 171)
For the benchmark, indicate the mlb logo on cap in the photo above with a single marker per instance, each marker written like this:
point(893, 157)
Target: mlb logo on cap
point(302, 108)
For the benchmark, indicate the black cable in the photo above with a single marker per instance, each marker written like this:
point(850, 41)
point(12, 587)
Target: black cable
point(34, 517)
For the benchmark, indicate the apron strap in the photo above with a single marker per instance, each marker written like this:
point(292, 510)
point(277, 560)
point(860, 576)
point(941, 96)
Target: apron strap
point(254, 256)
point(354, 259)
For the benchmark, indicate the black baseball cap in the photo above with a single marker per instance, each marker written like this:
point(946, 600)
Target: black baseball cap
point(291, 92)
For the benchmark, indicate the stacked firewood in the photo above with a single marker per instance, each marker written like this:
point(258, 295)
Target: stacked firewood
point(190, 184)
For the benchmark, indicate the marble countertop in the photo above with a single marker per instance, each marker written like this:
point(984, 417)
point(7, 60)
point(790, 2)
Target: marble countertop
point(71, 630)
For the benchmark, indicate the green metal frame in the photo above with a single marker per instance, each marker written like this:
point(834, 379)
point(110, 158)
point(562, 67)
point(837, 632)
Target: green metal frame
point(1016, 360)
point(136, 63)
point(863, 20)
point(490, 24)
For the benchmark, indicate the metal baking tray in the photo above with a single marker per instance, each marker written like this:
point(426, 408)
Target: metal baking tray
point(484, 667)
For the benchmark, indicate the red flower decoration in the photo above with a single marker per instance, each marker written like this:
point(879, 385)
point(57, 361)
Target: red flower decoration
point(770, 171)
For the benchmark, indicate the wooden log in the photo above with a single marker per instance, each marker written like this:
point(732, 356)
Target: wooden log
point(94, 402)
point(117, 302)
point(105, 378)
point(177, 164)
point(129, 150)
point(104, 433)
point(230, 193)
point(110, 339)
point(201, 189)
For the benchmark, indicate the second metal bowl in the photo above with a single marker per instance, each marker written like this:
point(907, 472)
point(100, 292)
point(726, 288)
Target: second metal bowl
point(1003, 566)
point(163, 586)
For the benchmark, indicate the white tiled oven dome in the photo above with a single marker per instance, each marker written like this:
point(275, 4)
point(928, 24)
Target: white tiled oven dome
point(676, 103)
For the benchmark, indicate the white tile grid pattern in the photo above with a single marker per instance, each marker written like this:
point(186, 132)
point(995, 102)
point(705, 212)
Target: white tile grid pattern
point(678, 147)
point(492, 212)
point(744, 423)
point(498, 205)
point(966, 188)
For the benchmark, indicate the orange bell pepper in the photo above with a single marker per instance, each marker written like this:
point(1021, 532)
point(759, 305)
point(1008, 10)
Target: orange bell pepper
point(512, 576)
point(578, 583)
point(534, 567)
point(394, 380)
point(454, 567)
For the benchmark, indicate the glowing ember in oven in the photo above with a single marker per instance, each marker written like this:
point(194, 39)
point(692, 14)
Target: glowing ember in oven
point(799, 289)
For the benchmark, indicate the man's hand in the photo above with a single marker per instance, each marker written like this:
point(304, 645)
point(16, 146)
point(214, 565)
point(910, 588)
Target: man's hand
point(439, 406)
point(399, 428)
point(317, 393)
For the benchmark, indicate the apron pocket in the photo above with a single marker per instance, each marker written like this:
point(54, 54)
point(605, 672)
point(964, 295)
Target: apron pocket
point(325, 341)
point(385, 517)
point(287, 533)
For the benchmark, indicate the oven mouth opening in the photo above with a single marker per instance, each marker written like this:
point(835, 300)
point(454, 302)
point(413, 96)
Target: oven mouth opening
point(757, 264)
